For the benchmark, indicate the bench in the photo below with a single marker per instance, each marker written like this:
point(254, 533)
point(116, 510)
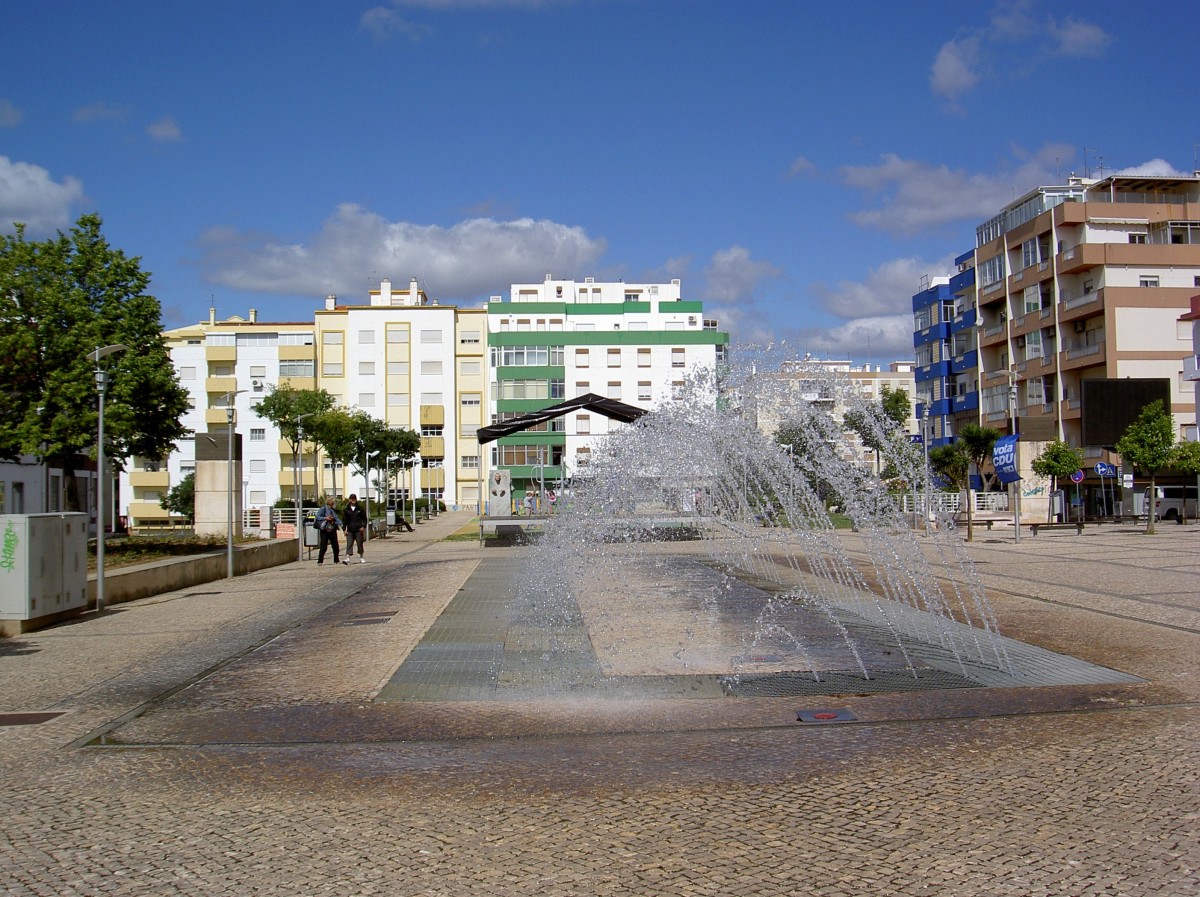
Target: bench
point(1034, 527)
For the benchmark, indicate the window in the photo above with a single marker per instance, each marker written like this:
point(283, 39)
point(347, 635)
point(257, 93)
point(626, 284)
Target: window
point(188, 373)
point(397, 399)
point(582, 388)
point(644, 391)
point(295, 339)
point(614, 358)
point(583, 424)
point(366, 400)
point(366, 368)
point(1147, 281)
point(258, 434)
point(397, 368)
point(258, 465)
point(431, 398)
point(643, 357)
point(221, 339)
point(397, 334)
point(614, 389)
point(431, 368)
point(469, 462)
point(1137, 238)
point(678, 358)
point(366, 337)
point(331, 369)
point(469, 368)
point(295, 369)
point(431, 337)
point(582, 358)
point(471, 400)
point(432, 430)
point(469, 337)
point(585, 327)
point(331, 338)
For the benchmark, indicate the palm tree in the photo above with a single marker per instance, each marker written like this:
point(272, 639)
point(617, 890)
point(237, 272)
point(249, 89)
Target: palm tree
point(977, 443)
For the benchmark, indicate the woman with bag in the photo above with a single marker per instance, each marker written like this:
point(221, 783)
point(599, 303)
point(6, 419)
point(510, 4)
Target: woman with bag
point(328, 524)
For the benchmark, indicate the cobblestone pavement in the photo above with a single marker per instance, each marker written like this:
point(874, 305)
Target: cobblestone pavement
point(224, 740)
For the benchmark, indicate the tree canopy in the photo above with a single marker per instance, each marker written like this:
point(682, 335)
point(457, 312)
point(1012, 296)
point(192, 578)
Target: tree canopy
point(1058, 461)
point(1147, 446)
point(60, 299)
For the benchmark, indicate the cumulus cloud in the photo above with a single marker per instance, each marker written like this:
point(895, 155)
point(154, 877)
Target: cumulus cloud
point(10, 115)
point(473, 258)
point(94, 112)
point(732, 275)
point(29, 195)
point(1012, 43)
point(954, 70)
point(799, 166)
point(383, 22)
point(1155, 168)
point(165, 130)
point(888, 336)
point(888, 289)
point(915, 195)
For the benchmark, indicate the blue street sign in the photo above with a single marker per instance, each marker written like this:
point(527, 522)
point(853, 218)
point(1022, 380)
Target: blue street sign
point(1105, 470)
point(1077, 477)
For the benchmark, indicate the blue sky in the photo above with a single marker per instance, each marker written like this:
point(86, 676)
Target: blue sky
point(800, 166)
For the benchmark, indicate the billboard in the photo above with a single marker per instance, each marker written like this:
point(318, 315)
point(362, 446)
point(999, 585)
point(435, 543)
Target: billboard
point(1109, 406)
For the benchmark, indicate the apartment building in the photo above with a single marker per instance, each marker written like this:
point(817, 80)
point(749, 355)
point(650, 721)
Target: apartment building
point(831, 385)
point(1068, 283)
point(561, 339)
point(402, 357)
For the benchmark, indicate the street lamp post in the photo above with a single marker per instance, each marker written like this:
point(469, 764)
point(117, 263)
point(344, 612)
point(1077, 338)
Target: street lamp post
point(367, 494)
point(230, 411)
point(925, 445)
point(298, 463)
point(101, 389)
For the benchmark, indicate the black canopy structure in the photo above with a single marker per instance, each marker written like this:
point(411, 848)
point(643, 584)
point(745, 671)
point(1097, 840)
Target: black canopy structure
point(591, 402)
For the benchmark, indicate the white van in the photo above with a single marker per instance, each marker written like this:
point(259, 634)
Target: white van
point(1173, 503)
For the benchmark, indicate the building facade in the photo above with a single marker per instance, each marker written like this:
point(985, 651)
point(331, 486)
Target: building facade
point(1067, 283)
point(561, 339)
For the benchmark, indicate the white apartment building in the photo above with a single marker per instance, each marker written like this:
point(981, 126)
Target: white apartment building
point(560, 339)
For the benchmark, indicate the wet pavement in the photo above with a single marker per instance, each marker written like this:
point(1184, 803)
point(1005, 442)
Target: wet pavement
point(254, 736)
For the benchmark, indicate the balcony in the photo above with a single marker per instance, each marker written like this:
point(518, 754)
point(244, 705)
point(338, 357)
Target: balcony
point(433, 447)
point(433, 478)
point(217, 417)
point(150, 479)
point(220, 384)
point(287, 480)
point(220, 353)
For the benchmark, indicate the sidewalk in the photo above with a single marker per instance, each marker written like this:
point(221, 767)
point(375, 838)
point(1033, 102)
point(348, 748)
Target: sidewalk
point(225, 740)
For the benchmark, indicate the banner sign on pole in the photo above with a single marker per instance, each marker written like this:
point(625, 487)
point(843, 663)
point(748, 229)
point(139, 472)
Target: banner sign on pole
point(1004, 457)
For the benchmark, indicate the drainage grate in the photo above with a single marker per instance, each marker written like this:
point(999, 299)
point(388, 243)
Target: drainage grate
point(368, 619)
point(785, 685)
point(26, 719)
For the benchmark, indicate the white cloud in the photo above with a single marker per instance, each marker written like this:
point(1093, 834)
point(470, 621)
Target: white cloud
point(888, 289)
point(165, 130)
point(887, 337)
point(356, 248)
point(1011, 45)
point(732, 275)
point(1155, 168)
point(99, 112)
point(916, 195)
point(10, 115)
point(1080, 39)
point(799, 166)
point(30, 196)
point(954, 70)
point(383, 22)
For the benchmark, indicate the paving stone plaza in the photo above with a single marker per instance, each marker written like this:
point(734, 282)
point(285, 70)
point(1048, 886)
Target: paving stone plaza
point(387, 728)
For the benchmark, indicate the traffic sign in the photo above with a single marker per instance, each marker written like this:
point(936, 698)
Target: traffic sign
point(1105, 470)
point(1077, 477)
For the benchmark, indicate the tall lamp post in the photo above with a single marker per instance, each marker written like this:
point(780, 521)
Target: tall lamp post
point(299, 464)
point(230, 412)
point(101, 389)
point(367, 495)
point(925, 445)
point(1012, 416)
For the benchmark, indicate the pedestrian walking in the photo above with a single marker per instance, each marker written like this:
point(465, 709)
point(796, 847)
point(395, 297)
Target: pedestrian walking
point(328, 523)
point(354, 518)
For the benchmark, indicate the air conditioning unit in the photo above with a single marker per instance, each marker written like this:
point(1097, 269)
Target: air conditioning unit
point(1020, 342)
point(1080, 326)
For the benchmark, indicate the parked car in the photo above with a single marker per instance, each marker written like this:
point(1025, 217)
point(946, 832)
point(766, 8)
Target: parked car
point(1173, 502)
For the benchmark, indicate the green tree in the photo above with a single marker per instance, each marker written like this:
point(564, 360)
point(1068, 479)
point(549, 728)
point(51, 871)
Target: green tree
point(879, 423)
point(348, 436)
point(1058, 461)
point(1148, 446)
point(294, 410)
point(952, 462)
point(1186, 459)
point(182, 498)
point(60, 299)
point(977, 444)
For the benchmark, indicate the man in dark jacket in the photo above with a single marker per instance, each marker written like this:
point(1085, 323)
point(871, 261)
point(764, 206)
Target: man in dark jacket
point(355, 520)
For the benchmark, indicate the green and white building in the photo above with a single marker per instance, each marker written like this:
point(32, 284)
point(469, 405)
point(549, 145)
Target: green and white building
point(560, 339)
